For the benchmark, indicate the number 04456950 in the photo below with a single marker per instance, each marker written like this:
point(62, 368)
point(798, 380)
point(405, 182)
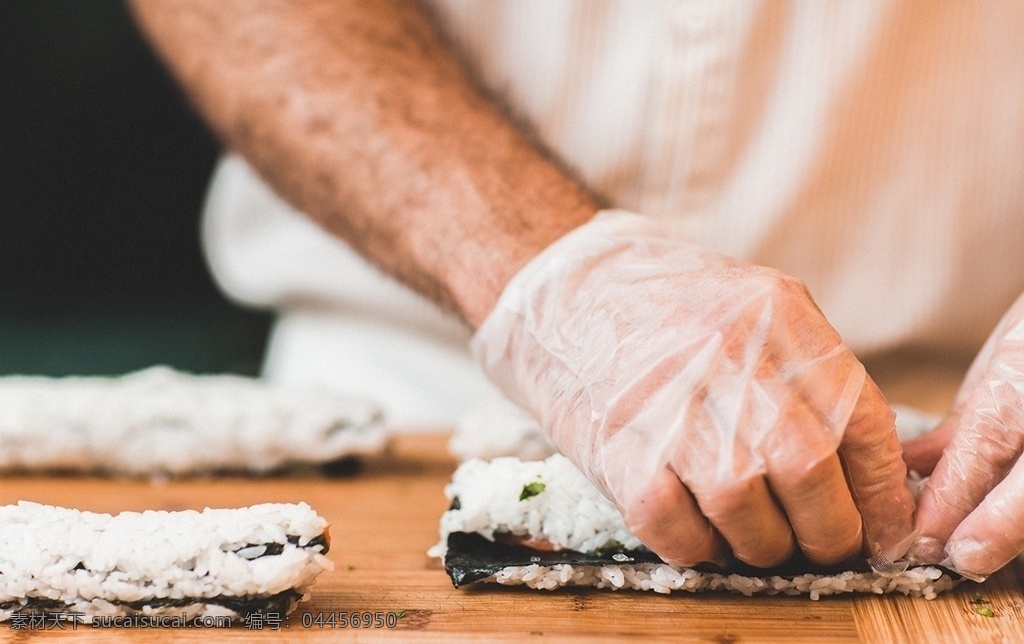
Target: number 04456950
point(354, 619)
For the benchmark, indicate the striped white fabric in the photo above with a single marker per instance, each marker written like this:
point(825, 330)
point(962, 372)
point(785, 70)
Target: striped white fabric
point(875, 149)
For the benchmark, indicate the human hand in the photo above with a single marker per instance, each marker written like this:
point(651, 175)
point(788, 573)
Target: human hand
point(708, 398)
point(970, 516)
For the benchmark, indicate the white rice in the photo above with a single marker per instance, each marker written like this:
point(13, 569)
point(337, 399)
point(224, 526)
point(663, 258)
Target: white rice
point(96, 564)
point(572, 514)
point(497, 427)
point(925, 582)
point(160, 421)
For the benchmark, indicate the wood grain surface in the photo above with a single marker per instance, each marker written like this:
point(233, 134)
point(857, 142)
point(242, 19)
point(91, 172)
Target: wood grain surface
point(385, 517)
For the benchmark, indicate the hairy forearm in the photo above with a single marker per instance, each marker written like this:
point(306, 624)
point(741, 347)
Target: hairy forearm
point(357, 113)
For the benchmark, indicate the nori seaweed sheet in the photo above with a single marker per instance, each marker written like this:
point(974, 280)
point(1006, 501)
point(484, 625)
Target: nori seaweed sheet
point(279, 603)
point(472, 557)
point(247, 605)
point(274, 548)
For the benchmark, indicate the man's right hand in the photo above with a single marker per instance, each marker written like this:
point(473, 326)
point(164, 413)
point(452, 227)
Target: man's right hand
point(708, 398)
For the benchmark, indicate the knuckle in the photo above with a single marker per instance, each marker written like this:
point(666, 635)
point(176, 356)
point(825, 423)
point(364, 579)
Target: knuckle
point(785, 285)
point(879, 477)
point(802, 469)
point(954, 499)
point(810, 477)
point(988, 450)
point(794, 288)
point(873, 422)
point(724, 498)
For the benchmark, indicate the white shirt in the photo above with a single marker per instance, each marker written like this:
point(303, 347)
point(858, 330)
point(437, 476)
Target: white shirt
point(873, 149)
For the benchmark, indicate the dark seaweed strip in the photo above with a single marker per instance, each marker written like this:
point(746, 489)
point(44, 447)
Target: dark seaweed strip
point(39, 604)
point(471, 557)
point(320, 540)
point(274, 548)
point(271, 550)
point(343, 467)
point(278, 603)
point(247, 605)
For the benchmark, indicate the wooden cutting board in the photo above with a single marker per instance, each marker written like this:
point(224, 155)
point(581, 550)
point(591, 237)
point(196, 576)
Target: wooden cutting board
point(385, 518)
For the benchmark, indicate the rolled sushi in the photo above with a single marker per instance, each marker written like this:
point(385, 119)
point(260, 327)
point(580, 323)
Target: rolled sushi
point(162, 421)
point(218, 562)
point(542, 524)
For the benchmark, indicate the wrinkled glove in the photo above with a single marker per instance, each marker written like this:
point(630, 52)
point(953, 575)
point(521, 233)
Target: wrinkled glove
point(708, 398)
point(970, 516)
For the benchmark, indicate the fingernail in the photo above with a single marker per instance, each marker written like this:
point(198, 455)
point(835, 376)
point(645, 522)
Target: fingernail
point(892, 559)
point(926, 550)
point(972, 559)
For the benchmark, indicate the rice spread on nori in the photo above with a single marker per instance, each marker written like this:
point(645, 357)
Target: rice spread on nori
point(166, 422)
point(586, 543)
point(234, 562)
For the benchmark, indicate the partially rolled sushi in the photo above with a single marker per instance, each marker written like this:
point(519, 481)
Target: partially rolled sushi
point(162, 421)
point(544, 525)
point(223, 562)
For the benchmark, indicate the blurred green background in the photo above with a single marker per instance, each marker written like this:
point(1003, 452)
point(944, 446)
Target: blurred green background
point(103, 167)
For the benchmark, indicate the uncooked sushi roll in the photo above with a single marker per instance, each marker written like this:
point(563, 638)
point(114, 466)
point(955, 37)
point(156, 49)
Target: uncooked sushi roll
point(228, 562)
point(161, 421)
point(544, 525)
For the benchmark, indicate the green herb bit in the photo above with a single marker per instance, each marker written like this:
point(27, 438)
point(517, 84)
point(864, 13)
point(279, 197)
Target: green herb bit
point(978, 599)
point(400, 614)
point(985, 611)
point(531, 489)
point(609, 548)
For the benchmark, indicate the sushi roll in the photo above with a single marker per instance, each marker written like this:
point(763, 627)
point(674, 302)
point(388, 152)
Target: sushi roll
point(161, 421)
point(544, 525)
point(225, 562)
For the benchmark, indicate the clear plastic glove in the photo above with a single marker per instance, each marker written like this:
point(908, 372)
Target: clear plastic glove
point(708, 398)
point(970, 516)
